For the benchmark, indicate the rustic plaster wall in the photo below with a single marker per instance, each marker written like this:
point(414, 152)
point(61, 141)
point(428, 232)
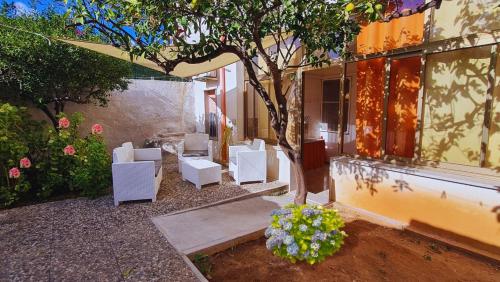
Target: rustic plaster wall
point(147, 109)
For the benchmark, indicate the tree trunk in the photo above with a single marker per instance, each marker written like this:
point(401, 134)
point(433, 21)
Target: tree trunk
point(301, 192)
point(50, 115)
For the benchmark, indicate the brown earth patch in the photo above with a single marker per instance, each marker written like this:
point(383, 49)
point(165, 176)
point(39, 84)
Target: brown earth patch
point(370, 253)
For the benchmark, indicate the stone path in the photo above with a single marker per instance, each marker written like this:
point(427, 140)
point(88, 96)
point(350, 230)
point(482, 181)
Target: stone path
point(91, 240)
point(193, 231)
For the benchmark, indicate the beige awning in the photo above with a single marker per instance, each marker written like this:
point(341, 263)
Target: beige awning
point(181, 70)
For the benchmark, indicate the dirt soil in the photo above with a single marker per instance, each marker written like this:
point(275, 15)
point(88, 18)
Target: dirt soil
point(370, 253)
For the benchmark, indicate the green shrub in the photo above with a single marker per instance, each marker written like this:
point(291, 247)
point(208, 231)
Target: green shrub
point(54, 169)
point(60, 161)
point(15, 136)
point(305, 233)
point(92, 174)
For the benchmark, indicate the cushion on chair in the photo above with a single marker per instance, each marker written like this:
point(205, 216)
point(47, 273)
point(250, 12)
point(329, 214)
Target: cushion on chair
point(195, 153)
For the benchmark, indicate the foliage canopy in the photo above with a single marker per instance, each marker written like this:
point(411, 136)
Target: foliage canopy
point(48, 74)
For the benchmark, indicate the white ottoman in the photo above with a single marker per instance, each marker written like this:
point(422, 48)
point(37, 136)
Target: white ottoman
point(201, 172)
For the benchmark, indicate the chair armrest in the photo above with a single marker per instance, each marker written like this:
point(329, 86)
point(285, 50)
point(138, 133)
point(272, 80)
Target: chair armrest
point(149, 154)
point(234, 150)
point(180, 148)
point(210, 149)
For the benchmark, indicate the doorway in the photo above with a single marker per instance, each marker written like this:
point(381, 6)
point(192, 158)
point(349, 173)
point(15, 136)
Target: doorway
point(211, 113)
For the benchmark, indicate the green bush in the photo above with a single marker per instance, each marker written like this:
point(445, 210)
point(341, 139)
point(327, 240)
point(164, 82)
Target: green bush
point(16, 135)
point(92, 174)
point(305, 233)
point(61, 162)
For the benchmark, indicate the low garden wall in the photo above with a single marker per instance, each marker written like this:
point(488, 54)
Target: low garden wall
point(457, 208)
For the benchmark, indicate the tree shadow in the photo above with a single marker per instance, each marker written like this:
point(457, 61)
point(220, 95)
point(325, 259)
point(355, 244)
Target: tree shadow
point(456, 88)
point(472, 17)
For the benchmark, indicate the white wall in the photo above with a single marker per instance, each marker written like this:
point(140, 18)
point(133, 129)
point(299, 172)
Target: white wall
point(234, 99)
point(199, 106)
point(146, 109)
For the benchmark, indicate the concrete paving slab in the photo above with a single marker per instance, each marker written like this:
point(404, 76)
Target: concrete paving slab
point(196, 230)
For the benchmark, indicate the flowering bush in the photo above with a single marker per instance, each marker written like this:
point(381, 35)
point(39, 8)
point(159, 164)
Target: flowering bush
point(97, 129)
point(64, 122)
point(38, 161)
point(305, 233)
point(17, 132)
point(69, 150)
point(25, 163)
point(92, 174)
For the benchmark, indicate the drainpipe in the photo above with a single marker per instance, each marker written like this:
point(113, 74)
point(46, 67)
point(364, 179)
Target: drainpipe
point(223, 110)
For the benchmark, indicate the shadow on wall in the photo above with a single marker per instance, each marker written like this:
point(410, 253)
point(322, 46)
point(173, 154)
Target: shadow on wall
point(402, 32)
point(376, 176)
point(463, 17)
point(456, 85)
point(369, 106)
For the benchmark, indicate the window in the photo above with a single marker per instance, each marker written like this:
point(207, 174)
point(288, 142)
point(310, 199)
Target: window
point(331, 102)
point(257, 115)
point(493, 151)
point(369, 106)
point(211, 120)
point(402, 107)
point(456, 84)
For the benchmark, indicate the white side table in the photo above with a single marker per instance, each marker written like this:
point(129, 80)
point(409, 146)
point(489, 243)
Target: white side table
point(201, 172)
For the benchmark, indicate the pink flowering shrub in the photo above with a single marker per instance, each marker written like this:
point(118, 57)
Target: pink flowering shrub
point(25, 163)
point(97, 129)
point(14, 172)
point(64, 122)
point(38, 161)
point(16, 130)
point(69, 150)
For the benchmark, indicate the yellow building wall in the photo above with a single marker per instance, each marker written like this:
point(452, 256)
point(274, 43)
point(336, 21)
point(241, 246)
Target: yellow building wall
point(262, 116)
point(442, 206)
point(455, 84)
point(463, 17)
point(493, 152)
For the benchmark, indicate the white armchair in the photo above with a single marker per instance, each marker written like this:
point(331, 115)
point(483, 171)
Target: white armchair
point(195, 146)
point(137, 173)
point(248, 162)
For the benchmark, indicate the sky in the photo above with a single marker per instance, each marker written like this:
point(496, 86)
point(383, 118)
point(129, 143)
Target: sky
point(30, 6)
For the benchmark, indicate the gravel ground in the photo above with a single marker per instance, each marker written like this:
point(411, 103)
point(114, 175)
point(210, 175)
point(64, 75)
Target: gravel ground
point(91, 240)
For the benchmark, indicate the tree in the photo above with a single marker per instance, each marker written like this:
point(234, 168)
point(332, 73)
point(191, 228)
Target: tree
point(145, 28)
point(48, 74)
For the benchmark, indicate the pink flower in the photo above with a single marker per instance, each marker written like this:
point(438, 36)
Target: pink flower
point(14, 172)
point(63, 122)
point(97, 129)
point(25, 163)
point(69, 150)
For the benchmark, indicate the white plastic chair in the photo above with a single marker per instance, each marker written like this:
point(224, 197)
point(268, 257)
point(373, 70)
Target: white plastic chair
point(195, 146)
point(137, 173)
point(248, 162)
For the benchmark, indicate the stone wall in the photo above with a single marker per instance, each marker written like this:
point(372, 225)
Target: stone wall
point(147, 109)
